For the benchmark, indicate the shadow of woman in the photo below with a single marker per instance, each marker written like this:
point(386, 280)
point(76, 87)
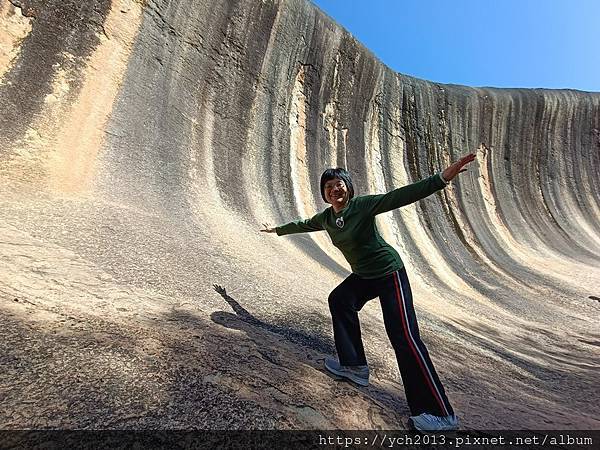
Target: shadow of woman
point(386, 395)
point(313, 341)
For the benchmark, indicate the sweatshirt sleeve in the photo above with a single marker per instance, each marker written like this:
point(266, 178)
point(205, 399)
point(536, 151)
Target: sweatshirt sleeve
point(315, 223)
point(405, 195)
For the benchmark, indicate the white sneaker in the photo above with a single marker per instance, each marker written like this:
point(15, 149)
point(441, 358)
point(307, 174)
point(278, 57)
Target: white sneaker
point(429, 422)
point(358, 374)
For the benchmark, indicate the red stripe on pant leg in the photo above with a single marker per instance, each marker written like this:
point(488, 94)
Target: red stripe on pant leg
point(411, 344)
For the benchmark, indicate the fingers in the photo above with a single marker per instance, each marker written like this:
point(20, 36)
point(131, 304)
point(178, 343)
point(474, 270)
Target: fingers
point(469, 158)
point(464, 161)
point(457, 167)
point(267, 228)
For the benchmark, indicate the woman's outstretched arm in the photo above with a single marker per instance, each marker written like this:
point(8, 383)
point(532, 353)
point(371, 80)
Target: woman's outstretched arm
point(315, 223)
point(414, 192)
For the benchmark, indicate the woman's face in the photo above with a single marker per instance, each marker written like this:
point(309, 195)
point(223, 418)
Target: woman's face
point(336, 192)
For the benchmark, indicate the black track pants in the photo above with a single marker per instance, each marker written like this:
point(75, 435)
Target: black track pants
point(424, 391)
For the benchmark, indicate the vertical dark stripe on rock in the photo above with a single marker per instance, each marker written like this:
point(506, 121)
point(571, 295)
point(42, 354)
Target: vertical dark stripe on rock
point(64, 33)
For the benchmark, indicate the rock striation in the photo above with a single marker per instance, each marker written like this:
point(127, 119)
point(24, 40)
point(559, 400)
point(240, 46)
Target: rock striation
point(143, 144)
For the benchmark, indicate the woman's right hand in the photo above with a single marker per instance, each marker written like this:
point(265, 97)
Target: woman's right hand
point(454, 169)
point(268, 228)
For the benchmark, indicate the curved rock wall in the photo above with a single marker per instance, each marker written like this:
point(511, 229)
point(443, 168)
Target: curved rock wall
point(152, 139)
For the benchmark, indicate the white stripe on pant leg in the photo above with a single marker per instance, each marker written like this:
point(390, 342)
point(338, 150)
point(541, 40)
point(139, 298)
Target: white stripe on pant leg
point(434, 384)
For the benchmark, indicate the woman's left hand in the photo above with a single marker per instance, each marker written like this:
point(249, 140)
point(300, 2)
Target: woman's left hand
point(457, 167)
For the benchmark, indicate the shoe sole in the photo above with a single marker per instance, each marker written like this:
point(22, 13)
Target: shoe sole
point(351, 377)
point(412, 426)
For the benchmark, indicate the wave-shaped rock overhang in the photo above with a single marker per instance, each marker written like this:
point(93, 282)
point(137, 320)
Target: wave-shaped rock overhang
point(209, 118)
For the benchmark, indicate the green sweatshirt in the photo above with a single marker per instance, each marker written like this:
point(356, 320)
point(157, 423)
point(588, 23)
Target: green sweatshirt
point(354, 232)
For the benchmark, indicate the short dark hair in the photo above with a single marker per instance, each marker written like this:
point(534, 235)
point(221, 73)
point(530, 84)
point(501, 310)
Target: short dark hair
point(342, 174)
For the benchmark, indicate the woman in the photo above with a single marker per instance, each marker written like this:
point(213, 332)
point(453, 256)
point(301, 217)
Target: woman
point(378, 271)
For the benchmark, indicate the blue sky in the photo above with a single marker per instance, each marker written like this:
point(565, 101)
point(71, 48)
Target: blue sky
point(501, 43)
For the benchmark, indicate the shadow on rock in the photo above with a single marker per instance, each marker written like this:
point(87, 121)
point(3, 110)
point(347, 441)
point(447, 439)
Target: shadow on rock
point(312, 341)
point(384, 396)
